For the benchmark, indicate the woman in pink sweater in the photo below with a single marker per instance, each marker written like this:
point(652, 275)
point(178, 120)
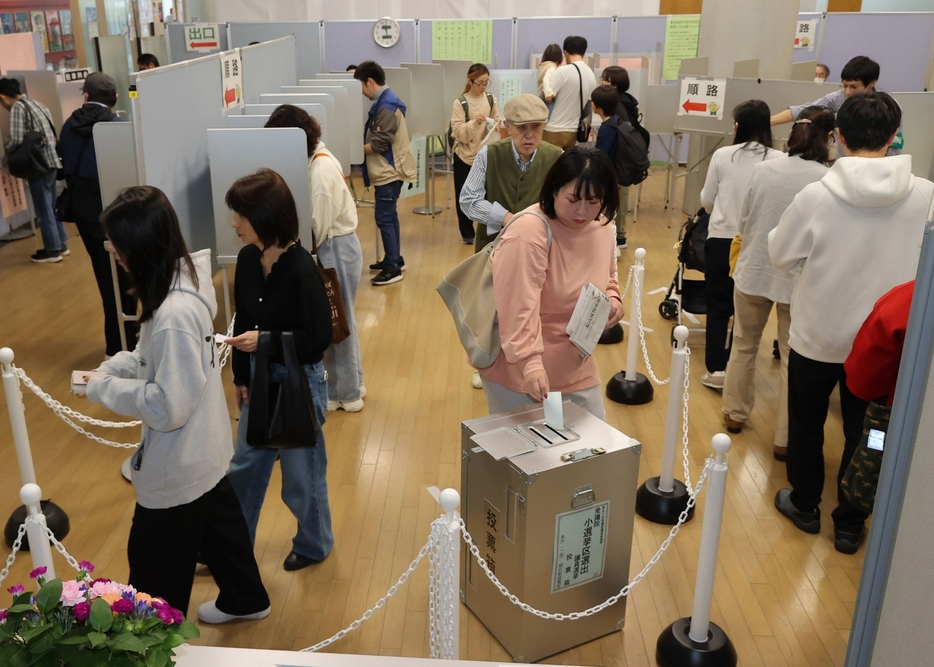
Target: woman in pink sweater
point(537, 281)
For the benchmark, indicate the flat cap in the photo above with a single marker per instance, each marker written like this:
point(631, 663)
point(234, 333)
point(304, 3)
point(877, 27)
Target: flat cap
point(525, 108)
point(99, 84)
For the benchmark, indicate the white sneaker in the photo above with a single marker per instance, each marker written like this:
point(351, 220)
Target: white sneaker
point(476, 381)
point(352, 406)
point(209, 613)
point(714, 380)
point(126, 468)
point(362, 392)
point(333, 406)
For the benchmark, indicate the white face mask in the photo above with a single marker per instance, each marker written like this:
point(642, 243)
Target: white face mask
point(817, 79)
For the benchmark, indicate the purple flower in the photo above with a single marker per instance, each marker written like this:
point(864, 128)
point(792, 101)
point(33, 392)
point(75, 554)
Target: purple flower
point(100, 580)
point(122, 606)
point(2, 615)
point(15, 590)
point(86, 566)
point(81, 611)
point(38, 572)
point(178, 617)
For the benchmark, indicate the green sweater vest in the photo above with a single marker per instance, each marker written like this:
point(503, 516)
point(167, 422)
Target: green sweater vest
point(514, 189)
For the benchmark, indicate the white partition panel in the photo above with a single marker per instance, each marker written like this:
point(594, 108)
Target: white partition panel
point(917, 112)
point(70, 97)
point(338, 126)
point(399, 80)
point(455, 78)
point(41, 85)
point(234, 121)
point(156, 45)
point(267, 67)
point(307, 40)
point(116, 158)
point(352, 86)
point(112, 56)
point(173, 139)
point(428, 113)
point(234, 153)
point(318, 110)
point(346, 103)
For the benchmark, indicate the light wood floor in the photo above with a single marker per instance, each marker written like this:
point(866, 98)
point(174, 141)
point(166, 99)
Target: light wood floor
point(785, 598)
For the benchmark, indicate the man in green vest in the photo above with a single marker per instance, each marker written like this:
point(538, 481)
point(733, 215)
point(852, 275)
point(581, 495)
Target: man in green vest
point(507, 176)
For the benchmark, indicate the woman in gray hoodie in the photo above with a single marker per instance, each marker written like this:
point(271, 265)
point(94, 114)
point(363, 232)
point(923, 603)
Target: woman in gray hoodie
point(172, 382)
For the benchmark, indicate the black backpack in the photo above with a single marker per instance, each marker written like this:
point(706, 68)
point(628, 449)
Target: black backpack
point(691, 240)
point(632, 155)
point(463, 101)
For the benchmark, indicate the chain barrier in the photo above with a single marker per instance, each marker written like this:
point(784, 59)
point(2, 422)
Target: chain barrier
point(684, 422)
point(622, 296)
point(443, 571)
point(18, 543)
point(575, 615)
point(645, 352)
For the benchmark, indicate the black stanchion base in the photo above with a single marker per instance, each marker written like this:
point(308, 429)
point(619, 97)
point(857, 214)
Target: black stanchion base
point(676, 649)
point(55, 519)
point(661, 507)
point(621, 390)
point(612, 336)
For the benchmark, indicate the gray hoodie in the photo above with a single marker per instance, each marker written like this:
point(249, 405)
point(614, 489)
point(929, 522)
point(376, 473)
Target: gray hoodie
point(172, 382)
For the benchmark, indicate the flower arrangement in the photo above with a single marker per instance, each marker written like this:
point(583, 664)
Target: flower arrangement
point(88, 623)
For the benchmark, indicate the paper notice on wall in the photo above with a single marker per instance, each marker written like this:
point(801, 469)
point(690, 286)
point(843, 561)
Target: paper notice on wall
point(681, 37)
point(12, 195)
point(806, 34)
point(232, 80)
point(509, 87)
point(420, 153)
point(462, 40)
point(702, 97)
point(580, 546)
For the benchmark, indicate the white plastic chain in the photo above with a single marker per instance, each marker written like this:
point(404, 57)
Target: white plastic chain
point(575, 615)
point(645, 352)
point(684, 421)
point(436, 526)
point(443, 572)
point(622, 296)
point(18, 543)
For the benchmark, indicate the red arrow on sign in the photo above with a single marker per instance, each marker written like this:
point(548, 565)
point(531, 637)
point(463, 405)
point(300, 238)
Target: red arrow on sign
point(204, 45)
point(690, 106)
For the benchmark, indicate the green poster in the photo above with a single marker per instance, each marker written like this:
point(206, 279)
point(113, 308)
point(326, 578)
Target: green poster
point(462, 40)
point(681, 36)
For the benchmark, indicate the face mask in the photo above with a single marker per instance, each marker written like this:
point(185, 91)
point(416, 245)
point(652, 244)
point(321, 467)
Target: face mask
point(817, 79)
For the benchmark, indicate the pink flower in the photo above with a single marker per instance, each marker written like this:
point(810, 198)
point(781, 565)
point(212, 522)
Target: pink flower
point(81, 611)
point(38, 572)
point(122, 606)
point(2, 615)
point(86, 566)
point(73, 592)
point(16, 590)
point(102, 587)
point(163, 612)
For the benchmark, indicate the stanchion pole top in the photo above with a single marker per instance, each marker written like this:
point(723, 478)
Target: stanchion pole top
point(6, 356)
point(640, 254)
point(681, 333)
point(30, 494)
point(721, 443)
point(450, 500)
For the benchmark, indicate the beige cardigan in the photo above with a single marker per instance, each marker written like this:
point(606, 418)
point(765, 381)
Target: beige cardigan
point(468, 133)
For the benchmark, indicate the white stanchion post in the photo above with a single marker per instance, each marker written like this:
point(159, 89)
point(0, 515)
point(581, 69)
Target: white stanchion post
point(14, 404)
point(39, 547)
point(674, 415)
point(450, 501)
point(635, 317)
point(697, 641)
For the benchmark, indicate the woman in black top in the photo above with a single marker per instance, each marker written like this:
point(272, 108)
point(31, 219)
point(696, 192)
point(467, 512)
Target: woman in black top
point(278, 288)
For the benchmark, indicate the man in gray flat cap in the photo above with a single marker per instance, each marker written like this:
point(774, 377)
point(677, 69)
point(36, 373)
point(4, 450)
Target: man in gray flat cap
point(506, 176)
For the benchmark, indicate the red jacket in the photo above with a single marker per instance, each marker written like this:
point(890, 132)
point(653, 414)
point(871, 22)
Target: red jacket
point(872, 366)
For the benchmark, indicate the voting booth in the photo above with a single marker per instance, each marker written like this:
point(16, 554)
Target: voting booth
point(551, 509)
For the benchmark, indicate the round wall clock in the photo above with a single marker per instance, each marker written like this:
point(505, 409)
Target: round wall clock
point(386, 32)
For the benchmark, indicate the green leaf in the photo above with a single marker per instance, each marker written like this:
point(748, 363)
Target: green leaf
point(76, 640)
point(189, 630)
point(157, 659)
point(172, 641)
point(97, 638)
point(101, 617)
point(21, 658)
point(47, 660)
point(149, 640)
point(21, 608)
point(49, 596)
point(32, 633)
point(43, 645)
point(126, 642)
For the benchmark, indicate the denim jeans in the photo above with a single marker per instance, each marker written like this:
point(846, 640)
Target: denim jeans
point(304, 476)
point(42, 190)
point(342, 361)
point(387, 220)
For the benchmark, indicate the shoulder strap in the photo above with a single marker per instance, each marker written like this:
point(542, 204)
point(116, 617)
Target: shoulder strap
point(490, 100)
point(581, 79)
point(516, 217)
point(466, 108)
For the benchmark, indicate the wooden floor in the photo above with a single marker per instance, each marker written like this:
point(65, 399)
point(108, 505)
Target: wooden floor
point(784, 597)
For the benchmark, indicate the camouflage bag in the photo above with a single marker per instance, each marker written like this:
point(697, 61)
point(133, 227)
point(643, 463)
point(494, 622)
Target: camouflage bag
point(862, 474)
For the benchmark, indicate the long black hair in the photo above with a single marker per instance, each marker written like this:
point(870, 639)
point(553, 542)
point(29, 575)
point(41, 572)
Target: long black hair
point(753, 124)
point(810, 135)
point(143, 227)
point(595, 176)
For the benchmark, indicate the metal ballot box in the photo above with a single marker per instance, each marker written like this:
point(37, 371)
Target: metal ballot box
point(552, 514)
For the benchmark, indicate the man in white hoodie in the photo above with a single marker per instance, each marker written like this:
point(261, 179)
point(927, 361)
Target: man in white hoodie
point(851, 237)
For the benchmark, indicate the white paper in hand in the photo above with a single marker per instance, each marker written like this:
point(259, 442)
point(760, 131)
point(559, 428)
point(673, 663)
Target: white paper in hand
point(589, 319)
point(554, 412)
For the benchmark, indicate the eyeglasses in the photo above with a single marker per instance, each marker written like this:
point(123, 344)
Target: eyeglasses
point(481, 84)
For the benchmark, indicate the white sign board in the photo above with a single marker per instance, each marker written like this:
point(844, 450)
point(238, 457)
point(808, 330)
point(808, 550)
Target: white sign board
point(202, 37)
point(580, 546)
point(702, 97)
point(69, 75)
point(420, 153)
point(232, 80)
point(805, 33)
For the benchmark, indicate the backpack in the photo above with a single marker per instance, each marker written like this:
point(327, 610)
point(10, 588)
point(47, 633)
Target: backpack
point(691, 240)
point(632, 157)
point(463, 101)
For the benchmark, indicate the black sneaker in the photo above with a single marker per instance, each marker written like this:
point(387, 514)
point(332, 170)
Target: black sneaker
point(847, 543)
point(45, 257)
point(381, 265)
point(387, 277)
point(809, 522)
point(621, 241)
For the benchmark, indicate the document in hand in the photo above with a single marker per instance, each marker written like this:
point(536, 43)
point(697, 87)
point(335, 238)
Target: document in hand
point(589, 319)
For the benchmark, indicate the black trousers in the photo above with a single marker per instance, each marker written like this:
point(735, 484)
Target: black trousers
point(92, 234)
point(718, 287)
point(810, 384)
point(461, 170)
point(164, 545)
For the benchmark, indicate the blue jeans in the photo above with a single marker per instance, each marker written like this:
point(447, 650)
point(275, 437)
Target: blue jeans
point(304, 476)
point(387, 220)
point(342, 361)
point(42, 190)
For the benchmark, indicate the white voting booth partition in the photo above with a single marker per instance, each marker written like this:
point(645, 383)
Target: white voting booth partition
point(306, 34)
point(455, 78)
point(113, 57)
point(318, 110)
point(356, 114)
point(338, 127)
point(348, 148)
point(42, 86)
point(267, 67)
point(917, 112)
point(507, 83)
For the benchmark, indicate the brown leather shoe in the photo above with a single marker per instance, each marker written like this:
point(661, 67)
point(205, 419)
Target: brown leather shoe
point(780, 453)
point(732, 425)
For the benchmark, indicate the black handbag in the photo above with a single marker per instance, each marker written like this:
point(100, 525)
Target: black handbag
point(28, 159)
point(281, 414)
point(583, 127)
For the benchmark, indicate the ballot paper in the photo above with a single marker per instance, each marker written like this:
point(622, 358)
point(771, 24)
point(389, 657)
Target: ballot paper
point(554, 411)
point(589, 319)
point(220, 339)
point(79, 379)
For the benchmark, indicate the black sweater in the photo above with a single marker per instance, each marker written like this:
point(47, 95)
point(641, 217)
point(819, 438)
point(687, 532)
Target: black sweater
point(291, 298)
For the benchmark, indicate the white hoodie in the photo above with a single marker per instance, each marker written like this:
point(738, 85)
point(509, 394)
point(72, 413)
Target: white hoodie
point(853, 236)
point(172, 382)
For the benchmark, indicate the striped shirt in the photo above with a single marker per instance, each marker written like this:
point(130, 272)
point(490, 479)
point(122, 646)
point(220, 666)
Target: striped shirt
point(38, 119)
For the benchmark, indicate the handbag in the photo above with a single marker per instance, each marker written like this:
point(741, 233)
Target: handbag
point(28, 159)
point(467, 291)
point(736, 245)
point(583, 128)
point(282, 414)
point(861, 478)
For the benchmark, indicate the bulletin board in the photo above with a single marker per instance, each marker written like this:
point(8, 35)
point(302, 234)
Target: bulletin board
point(346, 97)
point(307, 41)
point(176, 47)
point(534, 34)
point(502, 43)
point(351, 42)
point(462, 39)
point(267, 67)
point(428, 113)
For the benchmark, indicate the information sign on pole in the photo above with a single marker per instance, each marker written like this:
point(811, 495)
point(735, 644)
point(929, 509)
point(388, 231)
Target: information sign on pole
point(202, 37)
point(232, 80)
point(702, 97)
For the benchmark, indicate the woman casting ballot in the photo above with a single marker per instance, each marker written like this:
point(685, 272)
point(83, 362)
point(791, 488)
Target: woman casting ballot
point(537, 280)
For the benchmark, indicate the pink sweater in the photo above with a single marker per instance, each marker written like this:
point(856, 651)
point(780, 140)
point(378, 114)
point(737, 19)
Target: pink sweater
point(536, 291)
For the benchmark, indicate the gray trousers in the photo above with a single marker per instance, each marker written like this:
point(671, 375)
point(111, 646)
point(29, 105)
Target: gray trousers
point(342, 361)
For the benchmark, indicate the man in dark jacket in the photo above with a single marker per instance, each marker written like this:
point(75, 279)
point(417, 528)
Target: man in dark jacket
point(79, 160)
